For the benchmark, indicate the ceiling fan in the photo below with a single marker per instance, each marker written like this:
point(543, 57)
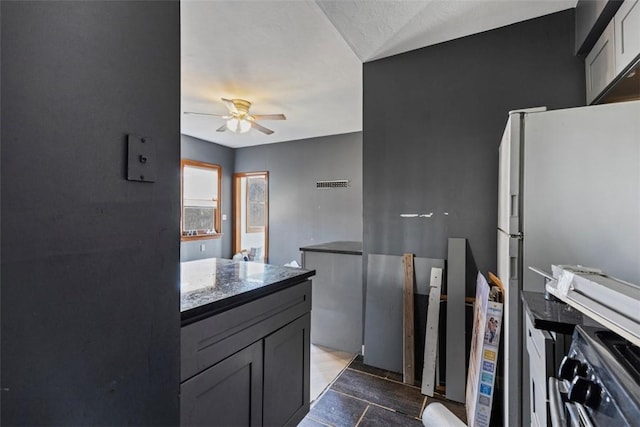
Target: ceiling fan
point(239, 120)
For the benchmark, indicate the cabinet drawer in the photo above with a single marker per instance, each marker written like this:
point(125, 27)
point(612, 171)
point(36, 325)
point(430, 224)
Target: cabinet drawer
point(210, 340)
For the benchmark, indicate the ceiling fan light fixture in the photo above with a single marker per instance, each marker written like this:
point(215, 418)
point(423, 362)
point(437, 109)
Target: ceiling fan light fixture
point(239, 120)
point(238, 125)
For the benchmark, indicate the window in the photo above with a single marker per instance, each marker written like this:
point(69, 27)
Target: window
point(256, 204)
point(200, 200)
point(251, 215)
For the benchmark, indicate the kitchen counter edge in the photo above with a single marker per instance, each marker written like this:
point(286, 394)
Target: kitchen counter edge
point(553, 316)
point(337, 247)
point(195, 314)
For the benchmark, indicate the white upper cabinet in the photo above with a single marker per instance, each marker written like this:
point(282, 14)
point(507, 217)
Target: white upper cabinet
point(616, 49)
point(600, 64)
point(627, 34)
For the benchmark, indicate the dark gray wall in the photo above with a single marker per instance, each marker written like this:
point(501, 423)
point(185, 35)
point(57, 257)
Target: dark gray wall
point(299, 214)
point(90, 261)
point(204, 151)
point(433, 120)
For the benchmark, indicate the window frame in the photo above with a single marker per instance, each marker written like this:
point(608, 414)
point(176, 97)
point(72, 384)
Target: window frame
point(217, 215)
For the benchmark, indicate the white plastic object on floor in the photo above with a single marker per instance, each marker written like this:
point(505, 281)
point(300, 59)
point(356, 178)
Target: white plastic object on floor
point(437, 415)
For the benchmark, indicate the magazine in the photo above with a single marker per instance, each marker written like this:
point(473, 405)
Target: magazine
point(484, 350)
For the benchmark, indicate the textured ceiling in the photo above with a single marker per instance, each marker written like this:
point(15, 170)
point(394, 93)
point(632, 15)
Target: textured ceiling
point(304, 58)
point(379, 28)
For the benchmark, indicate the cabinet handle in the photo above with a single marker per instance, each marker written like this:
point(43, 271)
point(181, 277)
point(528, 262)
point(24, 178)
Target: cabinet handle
point(529, 332)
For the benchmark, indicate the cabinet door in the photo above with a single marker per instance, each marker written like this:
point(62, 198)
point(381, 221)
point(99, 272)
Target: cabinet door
point(286, 374)
point(540, 347)
point(600, 64)
point(537, 394)
point(227, 394)
point(627, 34)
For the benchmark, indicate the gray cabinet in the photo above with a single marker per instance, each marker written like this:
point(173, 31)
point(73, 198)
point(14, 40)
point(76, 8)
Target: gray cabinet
point(286, 374)
point(227, 394)
point(627, 34)
point(591, 18)
point(338, 300)
point(615, 51)
point(249, 366)
point(540, 348)
point(545, 350)
point(600, 64)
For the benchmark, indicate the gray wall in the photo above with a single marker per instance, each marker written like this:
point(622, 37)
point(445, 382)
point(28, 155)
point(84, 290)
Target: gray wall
point(433, 120)
point(300, 214)
point(90, 294)
point(204, 151)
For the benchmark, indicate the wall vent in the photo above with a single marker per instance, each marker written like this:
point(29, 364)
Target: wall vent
point(338, 183)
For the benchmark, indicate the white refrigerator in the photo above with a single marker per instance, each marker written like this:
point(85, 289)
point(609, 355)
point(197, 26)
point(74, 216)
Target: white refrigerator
point(569, 193)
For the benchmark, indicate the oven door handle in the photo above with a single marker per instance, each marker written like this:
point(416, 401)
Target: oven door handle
point(556, 405)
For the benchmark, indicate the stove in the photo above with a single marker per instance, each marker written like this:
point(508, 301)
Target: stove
point(598, 381)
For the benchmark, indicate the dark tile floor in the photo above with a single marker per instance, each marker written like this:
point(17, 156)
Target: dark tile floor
point(366, 396)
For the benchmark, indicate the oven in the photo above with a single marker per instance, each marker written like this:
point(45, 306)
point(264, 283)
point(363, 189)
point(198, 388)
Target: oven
point(598, 382)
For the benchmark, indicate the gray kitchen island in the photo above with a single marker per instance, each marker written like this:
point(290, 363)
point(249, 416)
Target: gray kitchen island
point(244, 343)
point(337, 315)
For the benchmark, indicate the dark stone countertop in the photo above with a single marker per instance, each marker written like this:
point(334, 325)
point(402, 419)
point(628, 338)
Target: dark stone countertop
point(554, 316)
point(346, 247)
point(213, 285)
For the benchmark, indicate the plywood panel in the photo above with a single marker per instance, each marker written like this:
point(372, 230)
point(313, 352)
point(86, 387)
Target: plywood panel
point(408, 342)
point(431, 336)
point(383, 311)
point(456, 364)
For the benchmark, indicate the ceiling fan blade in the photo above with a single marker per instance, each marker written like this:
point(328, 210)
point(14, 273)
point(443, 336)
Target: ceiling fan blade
point(262, 129)
point(230, 105)
point(222, 128)
point(206, 114)
point(269, 116)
